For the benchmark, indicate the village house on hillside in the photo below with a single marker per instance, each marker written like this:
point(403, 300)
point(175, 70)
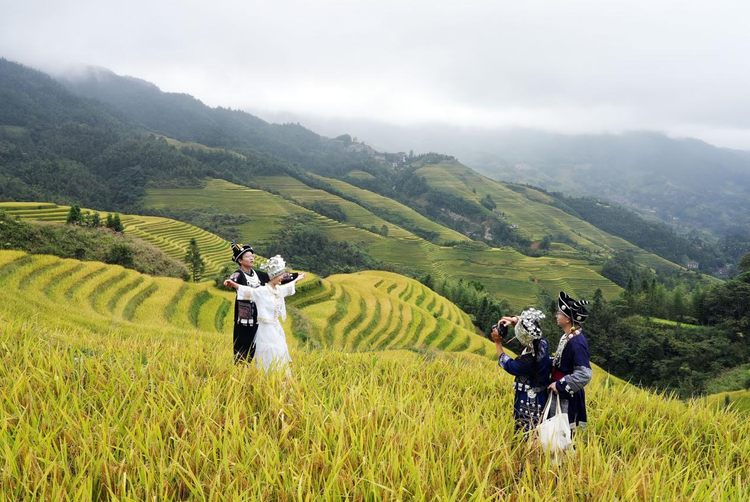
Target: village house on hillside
point(692, 265)
point(397, 160)
point(725, 271)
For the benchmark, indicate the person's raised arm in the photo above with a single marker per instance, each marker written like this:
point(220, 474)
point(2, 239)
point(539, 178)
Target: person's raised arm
point(290, 288)
point(243, 292)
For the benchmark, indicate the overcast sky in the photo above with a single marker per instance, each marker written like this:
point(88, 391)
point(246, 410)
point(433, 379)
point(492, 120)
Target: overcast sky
point(682, 67)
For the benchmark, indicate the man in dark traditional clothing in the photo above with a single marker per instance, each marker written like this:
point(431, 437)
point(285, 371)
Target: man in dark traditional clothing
point(245, 311)
point(571, 368)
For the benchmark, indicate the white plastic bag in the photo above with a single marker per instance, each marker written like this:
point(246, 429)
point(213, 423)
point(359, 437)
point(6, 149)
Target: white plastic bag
point(554, 433)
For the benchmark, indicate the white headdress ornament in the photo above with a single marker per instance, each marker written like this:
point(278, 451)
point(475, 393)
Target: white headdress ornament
point(275, 267)
point(528, 328)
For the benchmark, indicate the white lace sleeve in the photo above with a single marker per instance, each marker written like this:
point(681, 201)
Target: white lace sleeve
point(288, 289)
point(246, 293)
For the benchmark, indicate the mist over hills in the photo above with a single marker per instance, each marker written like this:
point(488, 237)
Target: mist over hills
point(687, 183)
point(186, 118)
point(98, 140)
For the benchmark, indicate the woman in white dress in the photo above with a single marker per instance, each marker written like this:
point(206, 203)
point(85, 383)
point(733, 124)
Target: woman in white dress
point(271, 349)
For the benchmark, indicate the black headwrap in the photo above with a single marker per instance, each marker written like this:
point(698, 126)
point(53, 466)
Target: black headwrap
point(239, 249)
point(573, 309)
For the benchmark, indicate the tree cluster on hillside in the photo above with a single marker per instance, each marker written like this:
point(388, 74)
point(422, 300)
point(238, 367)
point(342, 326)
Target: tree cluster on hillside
point(676, 357)
point(327, 209)
point(622, 269)
point(93, 220)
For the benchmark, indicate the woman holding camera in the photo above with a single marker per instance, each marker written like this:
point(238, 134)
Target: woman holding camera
point(531, 369)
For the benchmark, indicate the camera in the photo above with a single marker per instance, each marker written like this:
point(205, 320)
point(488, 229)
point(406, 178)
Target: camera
point(500, 327)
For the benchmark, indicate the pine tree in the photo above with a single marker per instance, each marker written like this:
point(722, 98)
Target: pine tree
point(698, 301)
point(117, 225)
point(194, 261)
point(744, 264)
point(75, 217)
point(678, 303)
point(598, 301)
point(545, 244)
point(630, 295)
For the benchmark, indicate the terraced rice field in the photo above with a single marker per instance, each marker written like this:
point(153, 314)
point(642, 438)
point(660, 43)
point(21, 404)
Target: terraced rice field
point(92, 292)
point(119, 386)
point(406, 213)
point(529, 210)
point(356, 214)
point(171, 236)
point(268, 213)
point(41, 211)
point(198, 146)
point(508, 274)
point(365, 311)
point(376, 310)
point(360, 175)
point(738, 400)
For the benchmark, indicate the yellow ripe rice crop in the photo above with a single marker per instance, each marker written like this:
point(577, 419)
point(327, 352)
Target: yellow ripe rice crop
point(98, 407)
point(376, 310)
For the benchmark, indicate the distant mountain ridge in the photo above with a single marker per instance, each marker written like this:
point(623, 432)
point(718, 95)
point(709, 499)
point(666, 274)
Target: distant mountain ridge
point(703, 186)
point(685, 182)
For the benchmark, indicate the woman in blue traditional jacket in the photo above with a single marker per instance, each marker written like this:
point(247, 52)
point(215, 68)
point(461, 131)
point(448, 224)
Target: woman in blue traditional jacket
point(531, 368)
point(571, 368)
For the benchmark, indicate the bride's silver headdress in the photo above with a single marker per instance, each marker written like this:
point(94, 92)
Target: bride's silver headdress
point(275, 266)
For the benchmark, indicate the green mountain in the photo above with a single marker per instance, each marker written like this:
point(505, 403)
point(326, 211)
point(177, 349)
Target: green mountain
point(685, 182)
point(187, 119)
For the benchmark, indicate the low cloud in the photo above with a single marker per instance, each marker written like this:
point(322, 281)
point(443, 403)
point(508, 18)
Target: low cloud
point(583, 66)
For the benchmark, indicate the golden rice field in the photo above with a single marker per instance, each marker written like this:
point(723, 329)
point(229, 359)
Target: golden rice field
point(375, 310)
point(510, 275)
point(738, 400)
point(118, 386)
